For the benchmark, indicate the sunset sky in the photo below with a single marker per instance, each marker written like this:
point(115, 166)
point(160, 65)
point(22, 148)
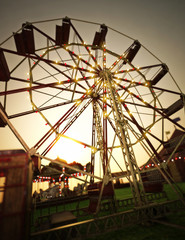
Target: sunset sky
point(158, 25)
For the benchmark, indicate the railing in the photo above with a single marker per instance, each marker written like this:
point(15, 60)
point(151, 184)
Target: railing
point(41, 218)
point(95, 227)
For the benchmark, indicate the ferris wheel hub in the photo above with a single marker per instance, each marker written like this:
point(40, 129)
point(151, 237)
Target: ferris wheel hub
point(126, 99)
point(104, 73)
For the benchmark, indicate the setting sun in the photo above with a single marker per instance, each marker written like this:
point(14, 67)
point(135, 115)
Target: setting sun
point(71, 151)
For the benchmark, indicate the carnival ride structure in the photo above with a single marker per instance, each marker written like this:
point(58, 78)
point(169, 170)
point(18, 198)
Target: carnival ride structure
point(107, 86)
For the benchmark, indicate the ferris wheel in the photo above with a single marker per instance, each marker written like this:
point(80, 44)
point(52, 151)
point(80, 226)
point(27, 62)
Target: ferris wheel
point(65, 74)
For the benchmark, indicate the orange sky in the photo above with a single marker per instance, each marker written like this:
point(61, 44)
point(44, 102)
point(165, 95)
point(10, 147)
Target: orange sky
point(159, 26)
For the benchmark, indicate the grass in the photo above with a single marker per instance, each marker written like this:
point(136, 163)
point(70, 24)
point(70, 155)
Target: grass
point(123, 193)
point(170, 193)
point(152, 232)
point(139, 232)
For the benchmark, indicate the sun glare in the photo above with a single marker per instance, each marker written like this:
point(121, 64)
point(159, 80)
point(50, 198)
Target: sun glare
point(70, 151)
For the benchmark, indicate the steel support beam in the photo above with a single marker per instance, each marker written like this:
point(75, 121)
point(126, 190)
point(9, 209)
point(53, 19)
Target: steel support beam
point(125, 142)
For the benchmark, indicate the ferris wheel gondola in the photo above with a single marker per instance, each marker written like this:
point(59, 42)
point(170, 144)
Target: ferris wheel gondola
point(129, 102)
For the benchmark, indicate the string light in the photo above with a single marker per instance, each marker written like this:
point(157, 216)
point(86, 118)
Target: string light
point(89, 91)
point(93, 150)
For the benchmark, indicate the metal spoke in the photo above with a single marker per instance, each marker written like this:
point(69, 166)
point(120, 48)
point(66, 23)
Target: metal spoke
point(125, 104)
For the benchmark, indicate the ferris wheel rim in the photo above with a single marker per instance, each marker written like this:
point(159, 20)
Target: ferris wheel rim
point(96, 72)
